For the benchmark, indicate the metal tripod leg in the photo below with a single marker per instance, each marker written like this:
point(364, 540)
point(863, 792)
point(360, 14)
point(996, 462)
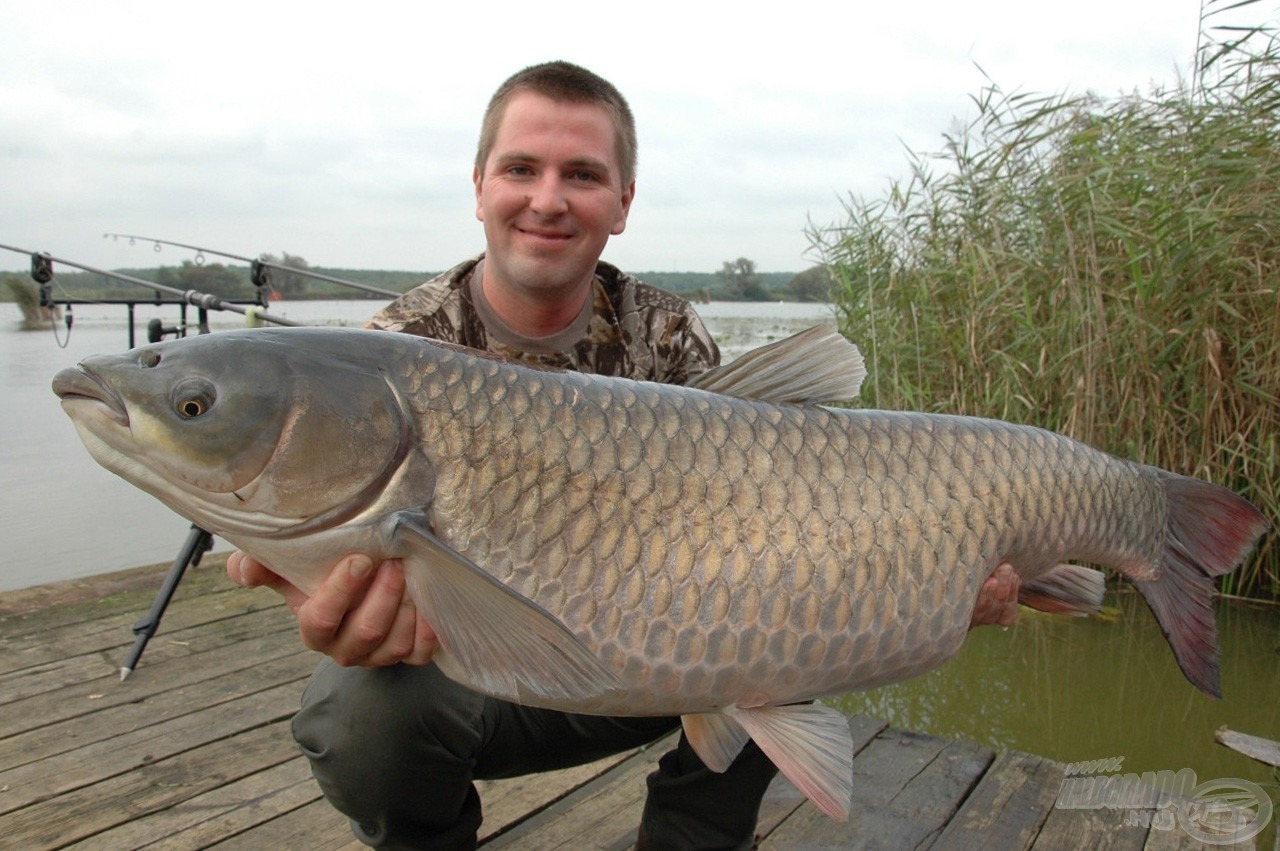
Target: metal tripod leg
point(198, 543)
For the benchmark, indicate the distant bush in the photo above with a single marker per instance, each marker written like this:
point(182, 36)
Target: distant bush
point(1105, 268)
point(25, 295)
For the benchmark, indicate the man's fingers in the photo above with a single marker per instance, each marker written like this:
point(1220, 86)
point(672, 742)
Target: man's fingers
point(398, 645)
point(243, 569)
point(998, 599)
point(424, 642)
point(321, 616)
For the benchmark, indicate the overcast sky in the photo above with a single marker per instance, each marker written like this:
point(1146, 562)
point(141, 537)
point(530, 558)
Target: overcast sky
point(347, 136)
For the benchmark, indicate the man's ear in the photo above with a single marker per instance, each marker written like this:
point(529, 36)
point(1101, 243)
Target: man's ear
point(624, 207)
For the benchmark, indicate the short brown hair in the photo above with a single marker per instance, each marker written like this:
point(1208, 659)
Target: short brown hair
point(563, 82)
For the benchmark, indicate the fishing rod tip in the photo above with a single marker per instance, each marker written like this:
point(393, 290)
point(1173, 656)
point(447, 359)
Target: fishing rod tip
point(124, 673)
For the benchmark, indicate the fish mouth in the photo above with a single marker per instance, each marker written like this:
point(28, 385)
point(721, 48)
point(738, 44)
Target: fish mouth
point(80, 384)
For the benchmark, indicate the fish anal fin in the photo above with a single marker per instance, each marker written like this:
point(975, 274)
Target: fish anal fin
point(715, 738)
point(492, 638)
point(811, 745)
point(1067, 589)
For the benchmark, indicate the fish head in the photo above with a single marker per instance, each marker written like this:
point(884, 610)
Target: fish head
point(262, 433)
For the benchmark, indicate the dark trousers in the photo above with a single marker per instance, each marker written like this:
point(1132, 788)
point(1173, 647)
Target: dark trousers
point(396, 749)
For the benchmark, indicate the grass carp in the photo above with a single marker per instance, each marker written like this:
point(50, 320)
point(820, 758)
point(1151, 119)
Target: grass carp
point(722, 552)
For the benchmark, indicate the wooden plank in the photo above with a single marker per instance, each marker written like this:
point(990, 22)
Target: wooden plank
point(1007, 807)
point(85, 810)
point(221, 600)
point(316, 825)
point(603, 814)
point(203, 623)
point(74, 735)
point(1256, 747)
point(511, 800)
point(1105, 830)
point(216, 814)
point(98, 606)
point(115, 634)
point(906, 787)
point(1177, 839)
point(139, 749)
point(90, 700)
point(45, 603)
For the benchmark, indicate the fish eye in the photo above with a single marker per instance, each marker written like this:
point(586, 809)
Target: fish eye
point(193, 398)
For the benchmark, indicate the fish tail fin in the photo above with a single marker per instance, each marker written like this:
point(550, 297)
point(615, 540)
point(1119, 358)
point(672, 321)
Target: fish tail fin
point(1209, 531)
point(1071, 589)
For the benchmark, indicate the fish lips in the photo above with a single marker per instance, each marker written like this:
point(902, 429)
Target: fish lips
point(80, 384)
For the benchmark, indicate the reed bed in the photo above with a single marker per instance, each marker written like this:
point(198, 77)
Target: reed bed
point(1107, 268)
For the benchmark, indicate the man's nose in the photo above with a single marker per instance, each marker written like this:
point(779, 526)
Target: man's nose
point(548, 197)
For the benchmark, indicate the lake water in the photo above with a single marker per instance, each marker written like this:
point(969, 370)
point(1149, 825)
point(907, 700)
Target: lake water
point(1073, 690)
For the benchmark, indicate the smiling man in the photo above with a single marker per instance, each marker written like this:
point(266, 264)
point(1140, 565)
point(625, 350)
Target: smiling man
point(394, 744)
point(551, 191)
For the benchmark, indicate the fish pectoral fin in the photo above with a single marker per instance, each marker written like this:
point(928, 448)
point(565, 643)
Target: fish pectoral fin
point(814, 366)
point(811, 744)
point(507, 645)
point(715, 738)
point(1067, 589)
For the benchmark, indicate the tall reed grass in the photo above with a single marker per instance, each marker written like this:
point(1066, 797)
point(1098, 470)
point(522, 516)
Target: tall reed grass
point(1107, 268)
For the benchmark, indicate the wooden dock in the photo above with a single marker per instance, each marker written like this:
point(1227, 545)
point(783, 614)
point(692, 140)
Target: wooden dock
point(193, 751)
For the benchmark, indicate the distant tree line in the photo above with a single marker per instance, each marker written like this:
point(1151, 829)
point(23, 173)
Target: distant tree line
point(737, 280)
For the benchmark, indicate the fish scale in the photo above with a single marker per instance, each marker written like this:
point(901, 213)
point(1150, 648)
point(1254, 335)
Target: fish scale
point(600, 545)
point(717, 494)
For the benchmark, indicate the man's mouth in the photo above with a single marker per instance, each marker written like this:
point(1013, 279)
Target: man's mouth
point(550, 236)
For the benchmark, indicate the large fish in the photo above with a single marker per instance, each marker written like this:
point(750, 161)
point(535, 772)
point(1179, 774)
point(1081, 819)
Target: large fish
point(722, 552)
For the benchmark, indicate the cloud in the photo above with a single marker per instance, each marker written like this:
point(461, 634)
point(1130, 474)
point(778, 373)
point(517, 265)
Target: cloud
point(347, 138)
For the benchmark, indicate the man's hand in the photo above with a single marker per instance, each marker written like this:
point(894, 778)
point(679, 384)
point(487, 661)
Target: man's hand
point(998, 599)
point(358, 615)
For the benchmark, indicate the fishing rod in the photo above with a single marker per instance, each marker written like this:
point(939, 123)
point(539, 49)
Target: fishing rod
point(257, 267)
point(42, 272)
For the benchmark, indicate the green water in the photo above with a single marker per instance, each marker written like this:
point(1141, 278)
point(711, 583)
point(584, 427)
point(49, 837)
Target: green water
point(1083, 689)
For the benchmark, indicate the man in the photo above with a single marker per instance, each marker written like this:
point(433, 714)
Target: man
point(393, 743)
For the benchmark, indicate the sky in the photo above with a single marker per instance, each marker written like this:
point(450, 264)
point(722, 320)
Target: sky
point(347, 137)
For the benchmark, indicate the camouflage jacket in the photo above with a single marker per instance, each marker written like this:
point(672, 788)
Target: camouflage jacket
point(634, 330)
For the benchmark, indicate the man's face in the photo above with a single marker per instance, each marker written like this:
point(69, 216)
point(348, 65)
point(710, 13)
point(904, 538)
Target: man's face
point(551, 195)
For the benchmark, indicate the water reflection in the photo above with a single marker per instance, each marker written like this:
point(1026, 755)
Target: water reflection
point(1084, 689)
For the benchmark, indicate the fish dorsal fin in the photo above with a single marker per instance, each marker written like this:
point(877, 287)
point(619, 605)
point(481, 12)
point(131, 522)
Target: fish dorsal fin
point(815, 366)
point(491, 638)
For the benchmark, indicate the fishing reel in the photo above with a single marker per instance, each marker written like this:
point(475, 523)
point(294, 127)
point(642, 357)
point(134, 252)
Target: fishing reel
point(157, 330)
point(260, 274)
point(42, 274)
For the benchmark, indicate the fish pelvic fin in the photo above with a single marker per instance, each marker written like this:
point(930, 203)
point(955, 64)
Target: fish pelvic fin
point(811, 745)
point(1209, 531)
point(814, 366)
point(1071, 589)
point(717, 739)
point(493, 639)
